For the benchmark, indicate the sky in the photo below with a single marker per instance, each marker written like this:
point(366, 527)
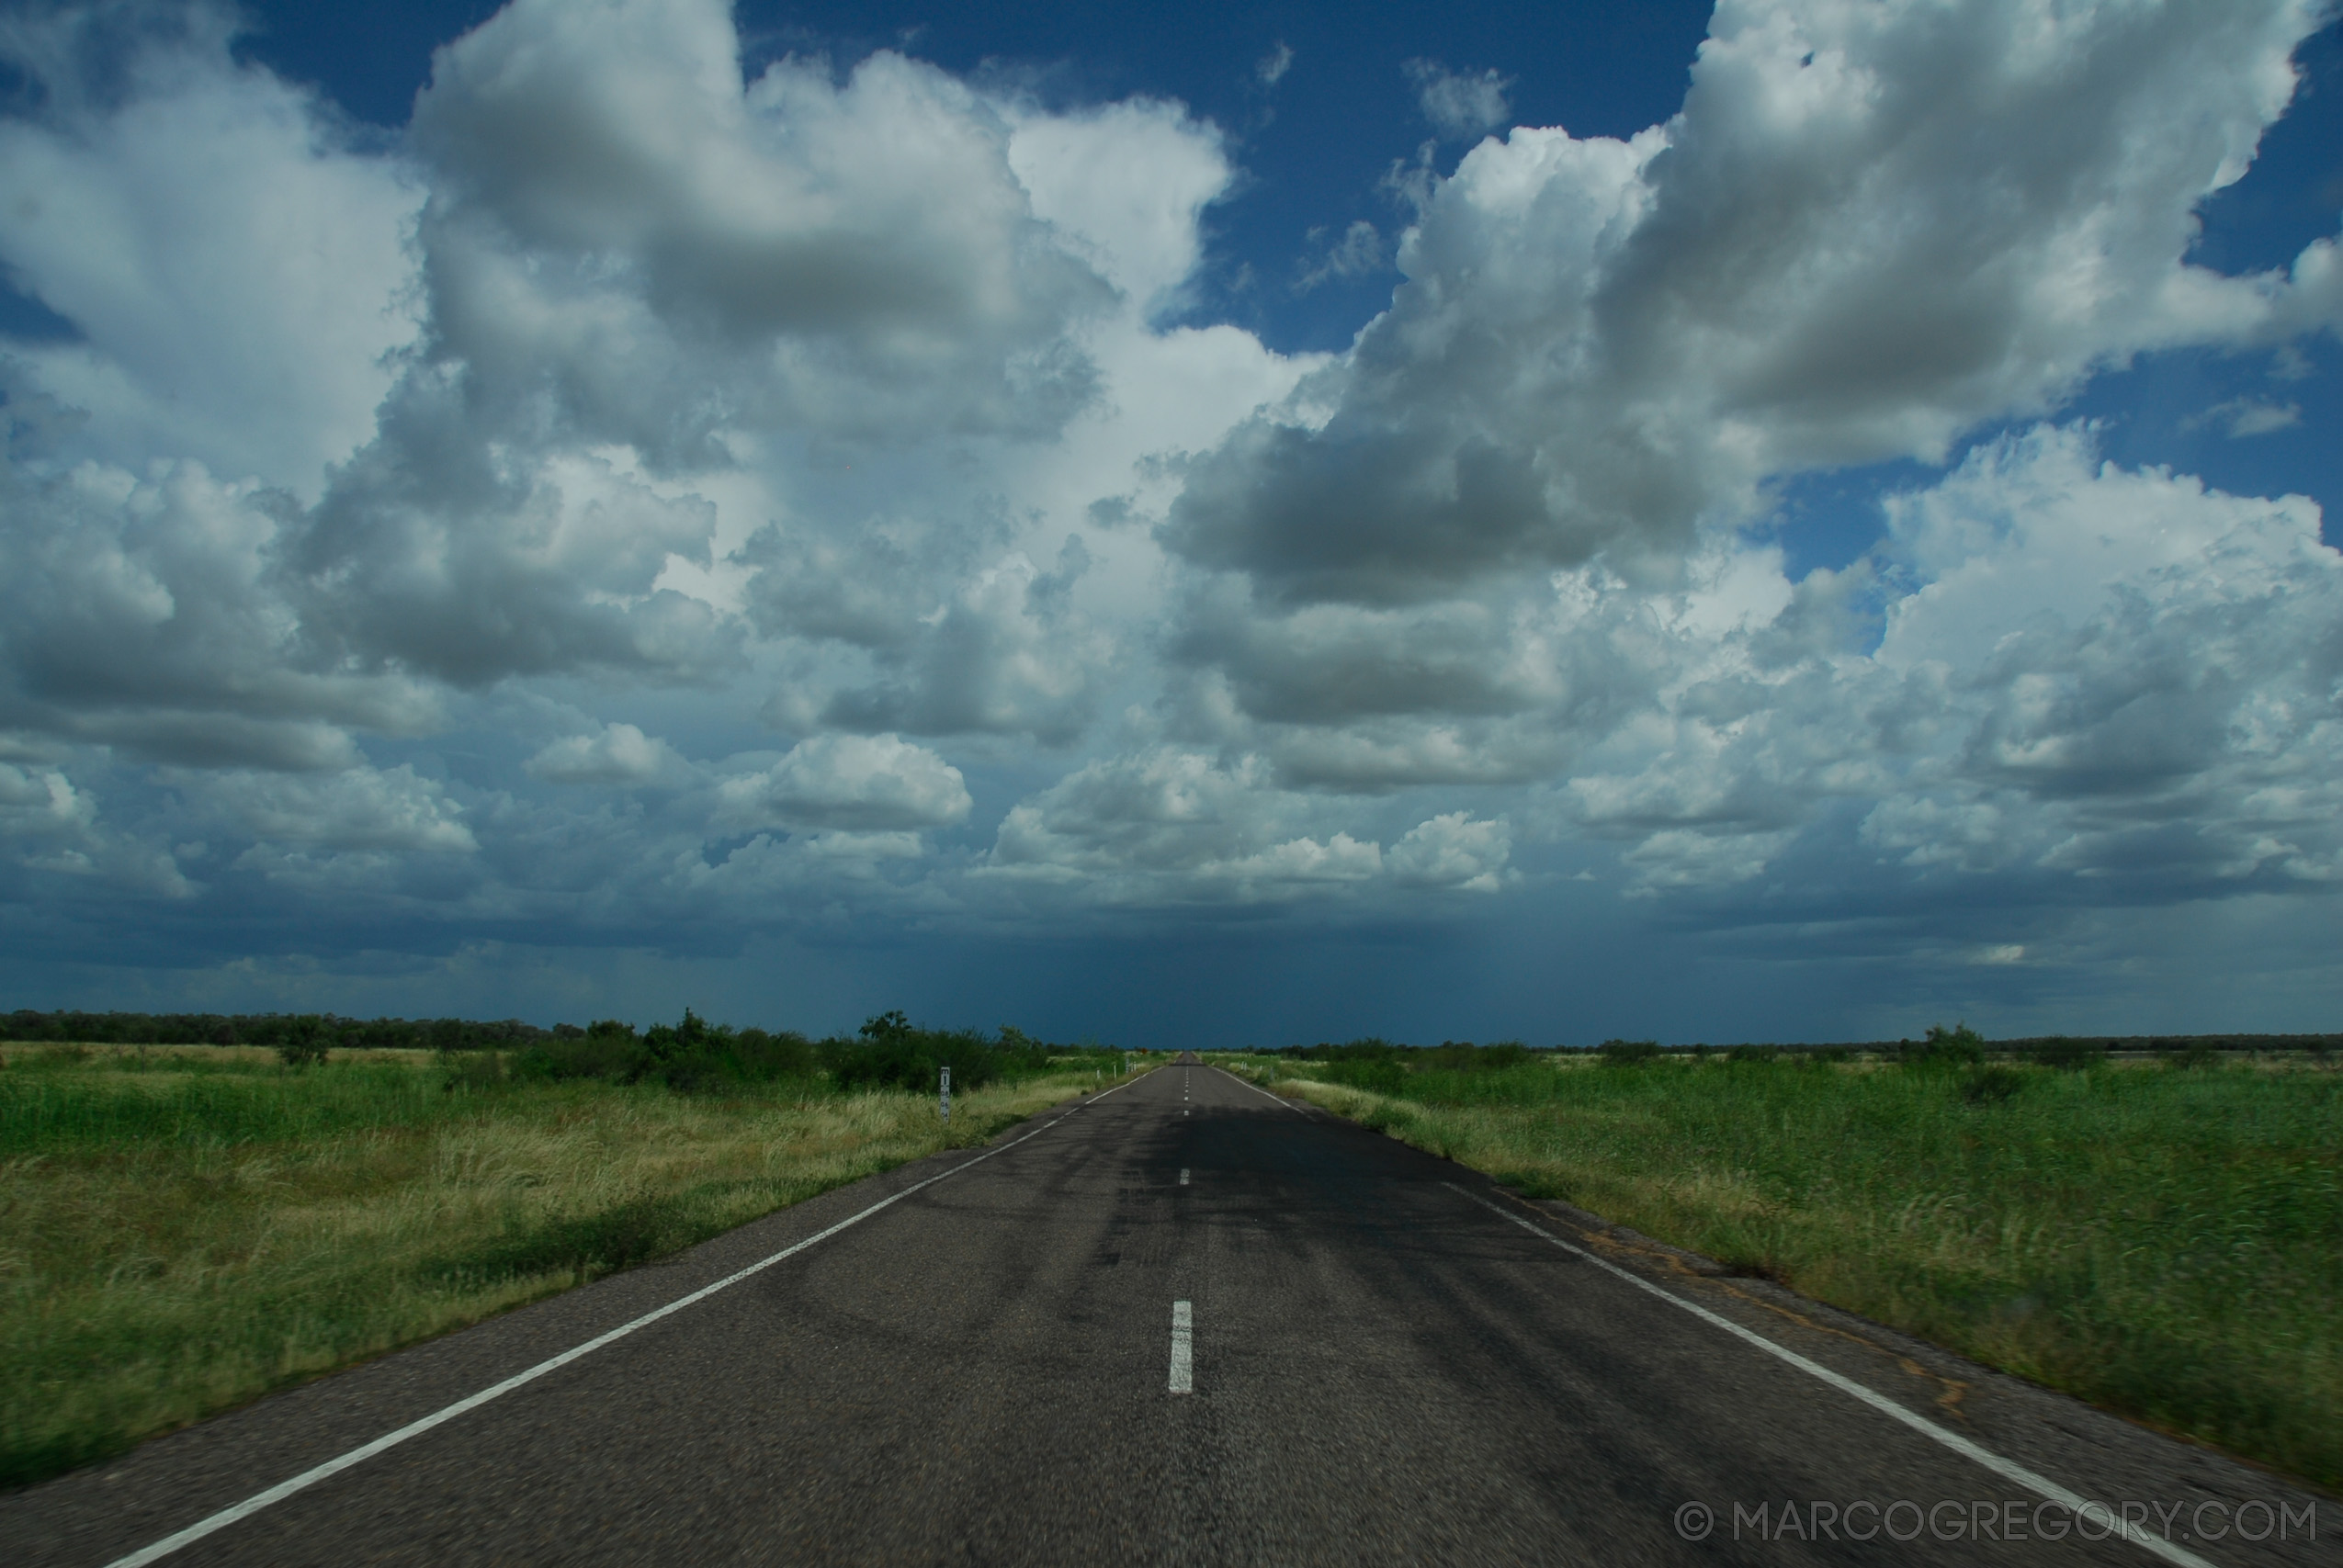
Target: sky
point(1204, 525)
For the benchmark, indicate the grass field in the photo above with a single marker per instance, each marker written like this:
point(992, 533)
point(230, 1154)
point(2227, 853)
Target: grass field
point(2164, 1240)
point(182, 1229)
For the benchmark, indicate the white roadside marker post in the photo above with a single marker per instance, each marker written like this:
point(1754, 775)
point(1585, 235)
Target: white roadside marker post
point(944, 1094)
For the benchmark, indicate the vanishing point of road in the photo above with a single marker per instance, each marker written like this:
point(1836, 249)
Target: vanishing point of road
point(1181, 1322)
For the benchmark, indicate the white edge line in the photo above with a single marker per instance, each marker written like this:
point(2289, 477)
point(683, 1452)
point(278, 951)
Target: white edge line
point(2008, 1470)
point(1093, 1100)
point(311, 1477)
point(1273, 1099)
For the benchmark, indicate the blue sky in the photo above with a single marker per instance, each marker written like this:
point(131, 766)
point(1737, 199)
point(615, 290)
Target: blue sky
point(1227, 525)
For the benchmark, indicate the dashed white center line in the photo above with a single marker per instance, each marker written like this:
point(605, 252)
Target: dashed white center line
point(1184, 1356)
point(1184, 1176)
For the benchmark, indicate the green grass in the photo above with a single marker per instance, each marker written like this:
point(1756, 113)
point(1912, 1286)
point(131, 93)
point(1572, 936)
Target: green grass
point(59, 1101)
point(2166, 1242)
point(181, 1231)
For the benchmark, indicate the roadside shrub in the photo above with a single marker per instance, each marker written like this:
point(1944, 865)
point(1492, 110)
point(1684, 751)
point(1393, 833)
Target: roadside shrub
point(304, 1042)
point(890, 1050)
point(1628, 1053)
point(698, 1055)
point(1746, 1054)
point(785, 1054)
point(607, 1049)
point(1959, 1046)
point(693, 1055)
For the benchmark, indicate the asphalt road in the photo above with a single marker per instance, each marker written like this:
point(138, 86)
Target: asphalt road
point(1386, 1363)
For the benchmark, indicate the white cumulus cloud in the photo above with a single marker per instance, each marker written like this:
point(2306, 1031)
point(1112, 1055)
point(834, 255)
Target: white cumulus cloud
point(856, 782)
point(1452, 851)
point(619, 754)
point(388, 810)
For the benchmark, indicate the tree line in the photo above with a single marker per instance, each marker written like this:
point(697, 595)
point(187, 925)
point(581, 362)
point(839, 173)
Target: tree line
point(323, 1029)
point(887, 1051)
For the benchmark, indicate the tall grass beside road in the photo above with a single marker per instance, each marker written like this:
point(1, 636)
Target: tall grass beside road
point(183, 1230)
point(2163, 1238)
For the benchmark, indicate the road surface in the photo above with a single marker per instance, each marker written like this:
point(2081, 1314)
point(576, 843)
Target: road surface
point(1180, 1323)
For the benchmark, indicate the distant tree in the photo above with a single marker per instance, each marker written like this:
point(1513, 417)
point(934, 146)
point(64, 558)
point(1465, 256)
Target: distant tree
point(302, 1042)
point(1959, 1046)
